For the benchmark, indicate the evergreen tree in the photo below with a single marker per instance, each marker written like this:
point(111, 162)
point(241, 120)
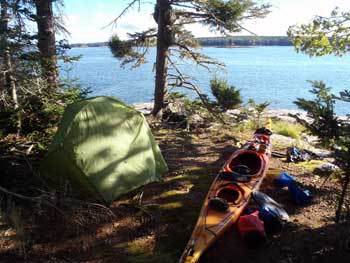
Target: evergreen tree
point(326, 35)
point(173, 40)
point(227, 96)
point(13, 39)
point(31, 98)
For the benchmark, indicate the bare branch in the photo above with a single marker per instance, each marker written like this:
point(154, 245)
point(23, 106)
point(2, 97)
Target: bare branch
point(130, 5)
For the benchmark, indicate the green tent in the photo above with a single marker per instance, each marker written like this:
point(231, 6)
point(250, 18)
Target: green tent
point(104, 148)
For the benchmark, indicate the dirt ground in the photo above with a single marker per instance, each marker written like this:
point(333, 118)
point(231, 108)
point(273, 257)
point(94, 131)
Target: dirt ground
point(153, 224)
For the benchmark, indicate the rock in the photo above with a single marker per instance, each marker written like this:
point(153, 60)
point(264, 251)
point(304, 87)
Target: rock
point(309, 139)
point(177, 106)
point(322, 153)
point(195, 118)
point(195, 121)
point(237, 115)
point(284, 114)
point(144, 107)
point(283, 139)
point(233, 112)
point(328, 167)
point(175, 114)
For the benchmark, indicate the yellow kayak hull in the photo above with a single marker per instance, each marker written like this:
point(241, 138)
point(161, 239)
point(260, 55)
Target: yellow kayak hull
point(211, 223)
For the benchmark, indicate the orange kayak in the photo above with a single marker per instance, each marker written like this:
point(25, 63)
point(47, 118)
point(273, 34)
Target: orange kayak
point(229, 194)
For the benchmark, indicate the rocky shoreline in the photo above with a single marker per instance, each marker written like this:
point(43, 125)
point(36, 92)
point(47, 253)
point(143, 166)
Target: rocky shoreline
point(282, 114)
point(305, 141)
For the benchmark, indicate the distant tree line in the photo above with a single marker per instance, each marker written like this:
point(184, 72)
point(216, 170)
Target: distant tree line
point(95, 44)
point(245, 41)
point(222, 41)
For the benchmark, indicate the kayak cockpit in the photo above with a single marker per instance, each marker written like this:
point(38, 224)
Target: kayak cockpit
point(252, 160)
point(231, 194)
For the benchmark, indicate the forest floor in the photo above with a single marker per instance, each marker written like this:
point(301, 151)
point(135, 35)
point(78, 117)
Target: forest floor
point(158, 228)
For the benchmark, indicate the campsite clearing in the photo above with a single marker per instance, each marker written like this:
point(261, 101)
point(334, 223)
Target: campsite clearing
point(154, 223)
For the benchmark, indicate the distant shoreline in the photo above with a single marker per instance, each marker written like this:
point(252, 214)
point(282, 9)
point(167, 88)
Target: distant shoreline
point(228, 42)
point(235, 46)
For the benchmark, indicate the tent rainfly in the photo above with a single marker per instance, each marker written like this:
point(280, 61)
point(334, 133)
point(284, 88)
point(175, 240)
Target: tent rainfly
point(104, 148)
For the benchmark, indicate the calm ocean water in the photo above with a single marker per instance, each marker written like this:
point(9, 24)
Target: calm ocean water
point(274, 74)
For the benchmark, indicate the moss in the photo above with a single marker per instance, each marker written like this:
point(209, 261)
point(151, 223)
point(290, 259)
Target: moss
point(310, 165)
point(273, 173)
point(143, 245)
point(144, 250)
point(173, 193)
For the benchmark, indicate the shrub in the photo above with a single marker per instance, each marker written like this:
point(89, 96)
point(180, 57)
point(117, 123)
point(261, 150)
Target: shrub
point(256, 111)
point(228, 97)
point(325, 124)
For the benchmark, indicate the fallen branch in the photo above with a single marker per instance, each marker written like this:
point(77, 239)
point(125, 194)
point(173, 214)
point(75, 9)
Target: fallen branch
point(29, 149)
point(30, 166)
point(8, 192)
point(46, 198)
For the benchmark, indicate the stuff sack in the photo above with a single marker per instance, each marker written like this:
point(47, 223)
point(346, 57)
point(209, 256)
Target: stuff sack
point(272, 223)
point(269, 204)
point(300, 195)
point(294, 155)
point(284, 179)
point(251, 229)
point(271, 212)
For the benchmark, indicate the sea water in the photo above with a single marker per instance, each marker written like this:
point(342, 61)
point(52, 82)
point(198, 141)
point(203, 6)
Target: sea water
point(278, 75)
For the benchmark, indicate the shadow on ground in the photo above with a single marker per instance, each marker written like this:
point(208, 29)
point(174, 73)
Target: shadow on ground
point(157, 228)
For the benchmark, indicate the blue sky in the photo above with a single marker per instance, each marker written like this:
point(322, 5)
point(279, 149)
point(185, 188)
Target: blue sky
point(87, 19)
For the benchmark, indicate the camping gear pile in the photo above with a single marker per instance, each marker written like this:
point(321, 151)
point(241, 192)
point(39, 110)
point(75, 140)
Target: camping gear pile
point(268, 218)
point(295, 155)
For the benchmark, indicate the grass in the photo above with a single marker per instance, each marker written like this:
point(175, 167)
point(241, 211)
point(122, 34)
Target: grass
point(288, 129)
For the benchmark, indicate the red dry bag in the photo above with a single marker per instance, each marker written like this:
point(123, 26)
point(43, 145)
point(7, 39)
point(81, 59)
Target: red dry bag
point(251, 229)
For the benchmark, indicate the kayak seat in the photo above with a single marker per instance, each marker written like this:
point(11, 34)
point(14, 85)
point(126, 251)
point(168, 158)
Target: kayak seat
point(218, 204)
point(234, 177)
point(249, 159)
point(241, 169)
point(231, 194)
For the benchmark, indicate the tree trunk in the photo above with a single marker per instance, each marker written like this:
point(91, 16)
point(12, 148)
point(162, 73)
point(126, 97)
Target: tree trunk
point(46, 41)
point(3, 38)
point(9, 80)
point(162, 58)
point(345, 187)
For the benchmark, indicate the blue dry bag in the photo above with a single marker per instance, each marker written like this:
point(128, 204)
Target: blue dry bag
point(300, 195)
